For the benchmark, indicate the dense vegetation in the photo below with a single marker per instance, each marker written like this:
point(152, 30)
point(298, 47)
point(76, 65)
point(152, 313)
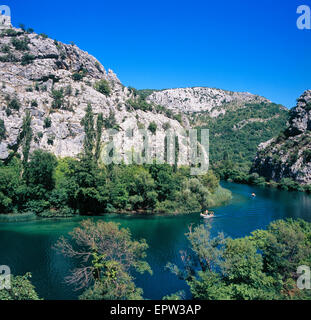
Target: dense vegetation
point(262, 266)
point(21, 289)
point(50, 187)
point(237, 134)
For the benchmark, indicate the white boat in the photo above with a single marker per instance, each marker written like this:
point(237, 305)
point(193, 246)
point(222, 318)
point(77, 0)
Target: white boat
point(207, 216)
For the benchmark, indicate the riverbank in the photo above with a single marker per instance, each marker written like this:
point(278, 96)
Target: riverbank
point(219, 198)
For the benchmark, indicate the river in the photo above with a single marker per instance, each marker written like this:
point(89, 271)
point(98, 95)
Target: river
point(27, 246)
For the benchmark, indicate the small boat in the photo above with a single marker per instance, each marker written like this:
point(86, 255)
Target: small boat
point(207, 216)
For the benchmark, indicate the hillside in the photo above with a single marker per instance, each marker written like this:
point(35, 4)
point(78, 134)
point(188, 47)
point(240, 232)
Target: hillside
point(238, 122)
point(289, 155)
point(55, 82)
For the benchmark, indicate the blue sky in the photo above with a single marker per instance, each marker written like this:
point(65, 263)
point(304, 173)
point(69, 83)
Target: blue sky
point(238, 45)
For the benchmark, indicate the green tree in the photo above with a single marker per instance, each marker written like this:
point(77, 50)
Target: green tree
point(89, 139)
point(99, 129)
point(21, 289)
point(106, 256)
point(26, 137)
point(40, 170)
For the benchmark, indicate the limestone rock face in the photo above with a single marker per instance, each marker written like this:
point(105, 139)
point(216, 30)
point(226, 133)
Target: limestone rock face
point(199, 99)
point(289, 155)
point(34, 69)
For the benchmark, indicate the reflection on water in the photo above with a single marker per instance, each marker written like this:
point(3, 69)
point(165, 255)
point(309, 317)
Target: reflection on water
point(27, 247)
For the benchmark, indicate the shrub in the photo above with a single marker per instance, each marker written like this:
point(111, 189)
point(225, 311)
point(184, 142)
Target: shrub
point(37, 206)
point(47, 123)
point(307, 156)
point(139, 104)
point(40, 134)
point(43, 35)
point(5, 49)
point(8, 112)
point(166, 126)
point(58, 96)
point(51, 140)
point(103, 87)
point(34, 103)
point(11, 33)
point(27, 59)
point(8, 58)
point(152, 127)
point(77, 76)
point(14, 104)
point(20, 44)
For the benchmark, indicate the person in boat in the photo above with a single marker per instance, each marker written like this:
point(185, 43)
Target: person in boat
point(253, 194)
point(208, 214)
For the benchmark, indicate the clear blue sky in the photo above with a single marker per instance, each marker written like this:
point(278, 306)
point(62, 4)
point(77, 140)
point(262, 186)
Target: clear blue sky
point(239, 45)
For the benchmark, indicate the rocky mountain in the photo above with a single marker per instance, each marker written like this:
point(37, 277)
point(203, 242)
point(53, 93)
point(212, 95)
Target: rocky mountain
point(289, 155)
point(55, 82)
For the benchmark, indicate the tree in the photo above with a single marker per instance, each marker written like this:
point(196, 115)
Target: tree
point(26, 137)
point(2, 130)
point(219, 268)
point(99, 129)
point(105, 256)
point(40, 170)
point(285, 245)
point(89, 139)
point(21, 289)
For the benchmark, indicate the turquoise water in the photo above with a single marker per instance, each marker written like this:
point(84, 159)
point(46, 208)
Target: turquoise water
point(27, 246)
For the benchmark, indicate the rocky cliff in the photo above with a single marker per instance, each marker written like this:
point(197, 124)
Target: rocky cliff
point(289, 155)
point(56, 82)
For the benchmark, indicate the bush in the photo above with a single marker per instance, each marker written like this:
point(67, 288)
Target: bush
point(27, 59)
point(43, 35)
point(8, 58)
point(34, 103)
point(37, 206)
point(166, 126)
point(77, 76)
point(289, 185)
point(14, 104)
point(21, 45)
point(58, 96)
point(64, 212)
point(152, 127)
point(47, 123)
point(103, 87)
point(307, 156)
point(139, 104)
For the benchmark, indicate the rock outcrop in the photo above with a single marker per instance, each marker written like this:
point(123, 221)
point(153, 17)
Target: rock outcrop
point(289, 155)
point(55, 82)
point(199, 99)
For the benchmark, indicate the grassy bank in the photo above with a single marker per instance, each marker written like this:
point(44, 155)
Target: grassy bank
point(17, 217)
